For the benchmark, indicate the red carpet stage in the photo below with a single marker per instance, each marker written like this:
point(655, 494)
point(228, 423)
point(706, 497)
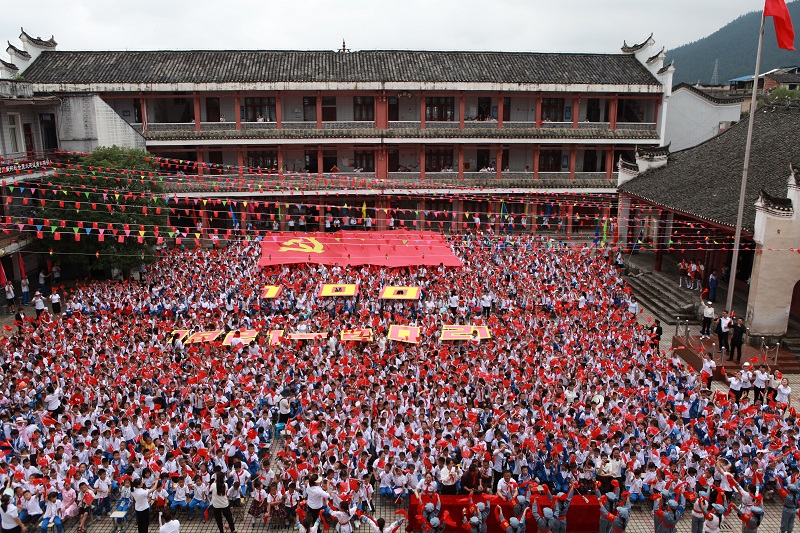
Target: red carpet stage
point(391, 249)
point(582, 517)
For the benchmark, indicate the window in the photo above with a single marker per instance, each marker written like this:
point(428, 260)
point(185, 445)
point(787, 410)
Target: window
point(438, 159)
point(550, 161)
point(255, 107)
point(310, 109)
point(364, 159)
point(439, 108)
point(14, 132)
point(507, 109)
point(363, 109)
point(553, 109)
point(329, 109)
point(266, 159)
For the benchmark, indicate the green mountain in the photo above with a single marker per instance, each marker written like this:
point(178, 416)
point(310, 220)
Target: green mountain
point(735, 47)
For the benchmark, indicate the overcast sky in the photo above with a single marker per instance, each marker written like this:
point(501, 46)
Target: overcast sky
point(508, 25)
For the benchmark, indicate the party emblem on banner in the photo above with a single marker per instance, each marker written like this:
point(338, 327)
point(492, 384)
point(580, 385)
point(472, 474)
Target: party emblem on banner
point(302, 244)
point(271, 291)
point(464, 333)
point(338, 289)
point(358, 335)
point(400, 293)
point(404, 333)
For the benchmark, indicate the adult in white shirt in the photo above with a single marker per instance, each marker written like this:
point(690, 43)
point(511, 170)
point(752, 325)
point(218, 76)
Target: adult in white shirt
point(761, 379)
point(167, 523)
point(52, 401)
point(141, 503)
point(784, 392)
point(316, 496)
point(709, 365)
point(9, 516)
point(220, 502)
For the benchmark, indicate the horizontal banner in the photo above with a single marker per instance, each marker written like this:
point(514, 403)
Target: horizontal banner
point(391, 249)
point(400, 333)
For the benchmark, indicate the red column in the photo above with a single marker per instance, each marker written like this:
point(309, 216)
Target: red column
point(320, 170)
point(422, 107)
point(240, 159)
point(461, 109)
point(280, 158)
point(199, 160)
point(612, 110)
point(381, 112)
point(460, 161)
point(422, 161)
point(278, 111)
point(319, 110)
point(237, 110)
point(196, 113)
point(538, 111)
point(501, 102)
point(576, 104)
point(536, 162)
point(573, 153)
point(499, 161)
point(320, 218)
point(143, 106)
point(381, 163)
point(610, 162)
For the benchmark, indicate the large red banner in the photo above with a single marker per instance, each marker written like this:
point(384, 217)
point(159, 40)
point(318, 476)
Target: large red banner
point(392, 249)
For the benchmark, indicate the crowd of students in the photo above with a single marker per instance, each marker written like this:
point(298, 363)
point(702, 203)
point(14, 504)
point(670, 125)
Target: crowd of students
point(570, 395)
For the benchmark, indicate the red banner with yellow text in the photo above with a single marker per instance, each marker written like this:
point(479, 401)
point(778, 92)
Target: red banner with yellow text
point(391, 249)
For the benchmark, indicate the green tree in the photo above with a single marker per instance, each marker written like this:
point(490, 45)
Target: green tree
point(115, 190)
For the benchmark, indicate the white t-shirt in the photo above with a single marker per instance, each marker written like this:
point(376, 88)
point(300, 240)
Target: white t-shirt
point(8, 516)
point(173, 526)
point(316, 496)
point(140, 502)
point(220, 501)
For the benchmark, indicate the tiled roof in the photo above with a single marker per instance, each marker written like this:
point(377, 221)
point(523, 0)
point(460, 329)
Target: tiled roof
point(704, 180)
point(775, 203)
point(13, 50)
point(707, 96)
point(9, 66)
point(635, 47)
point(785, 78)
point(50, 43)
point(243, 66)
point(655, 57)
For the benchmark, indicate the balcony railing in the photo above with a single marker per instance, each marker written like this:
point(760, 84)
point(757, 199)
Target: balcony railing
point(305, 125)
point(217, 126)
point(348, 125)
point(557, 124)
point(403, 124)
point(256, 126)
point(518, 125)
point(171, 126)
point(441, 125)
point(641, 126)
point(594, 125)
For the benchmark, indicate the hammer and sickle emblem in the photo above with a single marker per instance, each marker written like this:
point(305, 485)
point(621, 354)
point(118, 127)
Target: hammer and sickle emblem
point(303, 244)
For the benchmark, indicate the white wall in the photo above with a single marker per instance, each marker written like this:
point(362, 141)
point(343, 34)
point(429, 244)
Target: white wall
point(691, 119)
point(523, 110)
point(86, 122)
point(408, 108)
point(292, 108)
point(26, 115)
point(519, 158)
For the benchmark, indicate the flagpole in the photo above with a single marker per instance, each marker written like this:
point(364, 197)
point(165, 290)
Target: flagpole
point(742, 192)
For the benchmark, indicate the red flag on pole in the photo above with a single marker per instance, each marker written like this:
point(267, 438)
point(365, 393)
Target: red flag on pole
point(783, 23)
point(21, 267)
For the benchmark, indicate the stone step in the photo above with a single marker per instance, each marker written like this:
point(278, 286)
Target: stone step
point(663, 293)
point(669, 293)
point(665, 309)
